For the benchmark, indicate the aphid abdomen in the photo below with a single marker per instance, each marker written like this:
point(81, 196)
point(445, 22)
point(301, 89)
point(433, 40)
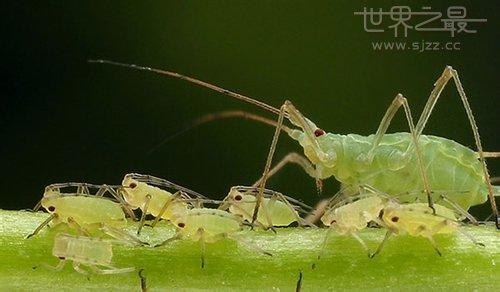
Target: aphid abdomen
point(280, 213)
point(417, 219)
point(212, 221)
point(450, 167)
point(86, 210)
point(84, 250)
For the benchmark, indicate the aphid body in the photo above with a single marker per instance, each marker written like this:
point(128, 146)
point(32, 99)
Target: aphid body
point(207, 224)
point(417, 219)
point(136, 193)
point(354, 216)
point(92, 252)
point(87, 211)
point(275, 209)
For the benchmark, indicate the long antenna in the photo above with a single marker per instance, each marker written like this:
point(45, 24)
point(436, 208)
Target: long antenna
point(192, 80)
point(216, 116)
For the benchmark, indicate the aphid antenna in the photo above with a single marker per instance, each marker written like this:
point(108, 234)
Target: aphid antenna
point(194, 81)
point(146, 178)
point(218, 116)
point(269, 193)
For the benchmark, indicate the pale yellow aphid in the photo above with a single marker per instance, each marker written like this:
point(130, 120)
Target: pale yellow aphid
point(276, 209)
point(142, 192)
point(353, 217)
point(88, 251)
point(85, 212)
point(207, 225)
point(417, 219)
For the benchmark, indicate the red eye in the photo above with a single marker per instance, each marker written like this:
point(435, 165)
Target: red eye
point(238, 198)
point(62, 258)
point(395, 219)
point(132, 185)
point(333, 222)
point(52, 209)
point(181, 225)
point(319, 132)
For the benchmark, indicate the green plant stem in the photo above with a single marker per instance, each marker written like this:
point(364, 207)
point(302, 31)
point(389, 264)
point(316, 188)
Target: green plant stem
point(405, 263)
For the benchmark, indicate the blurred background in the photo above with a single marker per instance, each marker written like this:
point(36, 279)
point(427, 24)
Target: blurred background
point(63, 119)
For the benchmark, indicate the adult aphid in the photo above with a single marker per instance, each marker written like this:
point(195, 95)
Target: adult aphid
point(391, 163)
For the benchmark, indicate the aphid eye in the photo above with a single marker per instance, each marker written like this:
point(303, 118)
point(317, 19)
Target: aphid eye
point(333, 222)
point(319, 132)
point(238, 198)
point(395, 219)
point(51, 208)
point(132, 185)
point(62, 258)
point(181, 225)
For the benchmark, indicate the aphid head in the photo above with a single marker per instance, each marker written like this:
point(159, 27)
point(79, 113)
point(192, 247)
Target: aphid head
point(50, 203)
point(316, 142)
point(237, 197)
point(133, 192)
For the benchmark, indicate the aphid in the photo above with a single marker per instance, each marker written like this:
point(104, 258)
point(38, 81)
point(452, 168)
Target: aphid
point(418, 219)
point(391, 163)
point(88, 251)
point(207, 225)
point(276, 209)
point(141, 192)
point(84, 212)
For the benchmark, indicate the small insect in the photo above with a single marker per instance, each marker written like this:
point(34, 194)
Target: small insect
point(415, 219)
point(142, 192)
point(85, 212)
point(207, 225)
point(276, 209)
point(391, 163)
point(88, 251)
point(418, 219)
point(353, 217)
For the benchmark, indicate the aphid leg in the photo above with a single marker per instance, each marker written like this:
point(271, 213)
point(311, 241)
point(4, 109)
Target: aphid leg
point(298, 287)
point(76, 267)
point(177, 236)
point(37, 206)
point(317, 212)
point(60, 265)
point(449, 73)
point(83, 189)
point(470, 237)
point(363, 243)
point(165, 207)
point(298, 159)
point(73, 224)
point(323, 246)
point(42, 225)
point(246, 244)
point(460, 210)
point(119, 197)
point(301, 221)
point(144, 285)
point(262, 184)
point(201, 233)
point(381, 245)
point(144, 209)
point(396, 104)
point(434, 245)
point(121, 235)
point(111, 270)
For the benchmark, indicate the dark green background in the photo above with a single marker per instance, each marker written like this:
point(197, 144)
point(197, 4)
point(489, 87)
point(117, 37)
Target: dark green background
point(65, 120)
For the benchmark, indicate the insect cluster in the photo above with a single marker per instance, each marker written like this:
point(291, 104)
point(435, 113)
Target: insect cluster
point(407, 183)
